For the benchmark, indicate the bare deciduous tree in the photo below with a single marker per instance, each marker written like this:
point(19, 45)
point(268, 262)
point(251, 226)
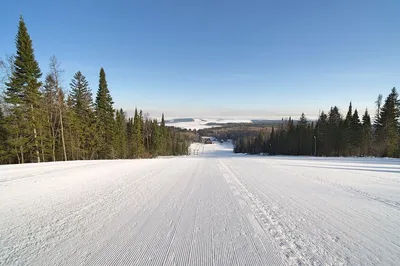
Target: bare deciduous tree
point(56, 72)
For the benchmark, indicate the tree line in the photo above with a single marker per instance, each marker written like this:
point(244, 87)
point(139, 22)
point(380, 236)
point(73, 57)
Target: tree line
point(334, 135)
point(40, 122)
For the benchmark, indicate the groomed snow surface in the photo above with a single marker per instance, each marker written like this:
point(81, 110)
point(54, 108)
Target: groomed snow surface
point(216, 208)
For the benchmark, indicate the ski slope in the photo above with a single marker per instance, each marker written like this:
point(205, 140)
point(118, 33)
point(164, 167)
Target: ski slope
point(216, 208)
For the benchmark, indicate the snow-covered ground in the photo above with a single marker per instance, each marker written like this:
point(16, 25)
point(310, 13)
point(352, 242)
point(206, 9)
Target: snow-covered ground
point(215, 208)
point(205, 123)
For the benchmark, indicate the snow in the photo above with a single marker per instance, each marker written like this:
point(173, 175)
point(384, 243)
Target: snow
point(214, 208)
point(206, 123)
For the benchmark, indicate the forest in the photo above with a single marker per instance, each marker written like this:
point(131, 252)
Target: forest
point(332, 134)
point(41, 121)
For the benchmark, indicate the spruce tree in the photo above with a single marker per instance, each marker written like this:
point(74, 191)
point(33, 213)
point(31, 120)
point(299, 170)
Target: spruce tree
point(130, 139)
point(162, 120)
point(322, 135)
point(163, 136)
point(137, 135)
point(378, 103)
point(291, 145)
point(155, 138)
point(303, 136)
point(105, 118)
point(356, 133)
point(83, 116)
point(23, 96)
point(366, 134)
point(81, 95)
point(347, 133)
point(335, 134)
point(387, 126)
point(74, 134)
point(271, 142)
point(120, 140)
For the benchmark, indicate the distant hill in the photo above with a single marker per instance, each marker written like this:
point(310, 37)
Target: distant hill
point(266, 121)
point(179, 120)
point(202, 123)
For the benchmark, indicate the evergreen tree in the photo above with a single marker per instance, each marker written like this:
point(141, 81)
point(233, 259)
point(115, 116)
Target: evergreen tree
point(141, 121)
point(162, 120)
point(120, 141)
point(347, 134)
point(303, 134)
point(163, 137)
point(155, 140)
point(290, 146)
point(366, 134)
point(23, 97)
point(322, 135)
point(137, 135)
point(356, 134)
point(105, 118)
point(378, 103)
point(83, 118)
point(270, 142)
point(335, 132)
point(74, 135)
point(387, 126)
point(349, 115)
point(130, 138)
point(81, 95)
point(259, 143)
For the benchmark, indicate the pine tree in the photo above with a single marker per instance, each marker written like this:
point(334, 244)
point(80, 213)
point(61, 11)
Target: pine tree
point(366, 134)
point(271, 142)
point(155, 138)
point(303, 136)
point(163, 137)
point(387, 126)
point(130, 139)
point(137, 135)
point(335, 132)
point(83, 115)
point(147, 128)
point(322, 135)
point(378, 103)
point(356, 133)
point(347, 134)
point(105, 118)
point(73, 134)
point(141, 121)
point(23, 96)
point(120, 141)
point(81, 95)
point(291, 145)
point(162, 120)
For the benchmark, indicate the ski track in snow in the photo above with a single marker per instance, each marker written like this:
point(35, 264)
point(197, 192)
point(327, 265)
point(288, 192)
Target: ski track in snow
point(216, 208)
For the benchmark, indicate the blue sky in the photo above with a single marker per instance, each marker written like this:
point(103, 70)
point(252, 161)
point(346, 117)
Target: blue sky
point(220, 58)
